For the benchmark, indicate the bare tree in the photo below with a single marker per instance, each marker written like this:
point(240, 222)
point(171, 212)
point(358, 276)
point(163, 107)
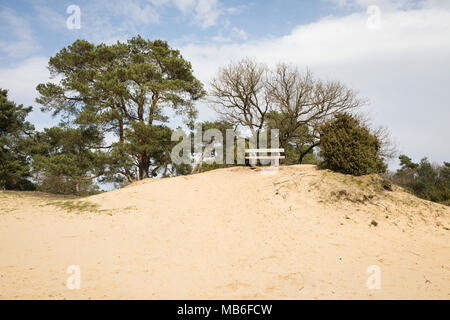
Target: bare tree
point(302, 102)
point(239, 94)
point(389, 148)
point(251, 95)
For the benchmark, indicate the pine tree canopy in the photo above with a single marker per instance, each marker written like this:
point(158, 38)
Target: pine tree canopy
point(125, 89)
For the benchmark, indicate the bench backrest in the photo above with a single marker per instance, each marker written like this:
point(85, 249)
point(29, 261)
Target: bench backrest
point(275, 155)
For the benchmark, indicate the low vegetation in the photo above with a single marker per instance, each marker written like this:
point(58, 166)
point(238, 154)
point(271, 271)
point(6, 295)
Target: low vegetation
point(76, 206)
point(347, 146)
point(425, 180)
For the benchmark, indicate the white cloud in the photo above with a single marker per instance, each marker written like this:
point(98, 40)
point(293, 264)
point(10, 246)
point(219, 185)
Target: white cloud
point(113, 20)
point(401, 68)
point(50, 17)
point(184, 5)
point(445, 4)
point(221, 38)
point(135, 11)
point(207, 12)
point(383, 4)
point(237, 9)
point(233, 34)
point(240, 33)
point(21, 81)
point(20, 32)
point(341, 40)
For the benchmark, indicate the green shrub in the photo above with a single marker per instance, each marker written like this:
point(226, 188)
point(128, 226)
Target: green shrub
point(427, 181)
point(347, 146)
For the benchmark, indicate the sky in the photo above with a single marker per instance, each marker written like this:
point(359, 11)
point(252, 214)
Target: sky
point(395, 53)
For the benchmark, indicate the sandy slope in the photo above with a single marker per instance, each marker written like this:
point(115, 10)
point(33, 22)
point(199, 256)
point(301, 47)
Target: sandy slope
point(230, 233)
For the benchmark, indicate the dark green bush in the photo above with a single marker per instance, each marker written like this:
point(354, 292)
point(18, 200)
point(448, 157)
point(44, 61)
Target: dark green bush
point(14, 143)
point(348, 146)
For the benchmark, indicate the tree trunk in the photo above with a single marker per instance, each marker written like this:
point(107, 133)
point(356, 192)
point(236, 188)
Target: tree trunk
point(205, 152)
point(121, 137)
point(130, 180)
point(165, 170)
point(152, 109)
point(155, 170)
point(173, 169)
point(303, 154)
point(144, 164)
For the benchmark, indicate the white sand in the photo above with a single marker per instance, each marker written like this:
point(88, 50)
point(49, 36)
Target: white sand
point(228, 234)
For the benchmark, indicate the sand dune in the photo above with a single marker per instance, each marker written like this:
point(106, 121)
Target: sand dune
point(232, 233)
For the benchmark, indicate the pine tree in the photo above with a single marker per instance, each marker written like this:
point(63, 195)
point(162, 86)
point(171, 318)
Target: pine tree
point(14, 130)
point(65, 160)
point(125, 89)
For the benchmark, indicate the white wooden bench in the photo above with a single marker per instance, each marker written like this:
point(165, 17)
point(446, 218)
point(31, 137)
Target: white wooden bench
point(254, 156)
